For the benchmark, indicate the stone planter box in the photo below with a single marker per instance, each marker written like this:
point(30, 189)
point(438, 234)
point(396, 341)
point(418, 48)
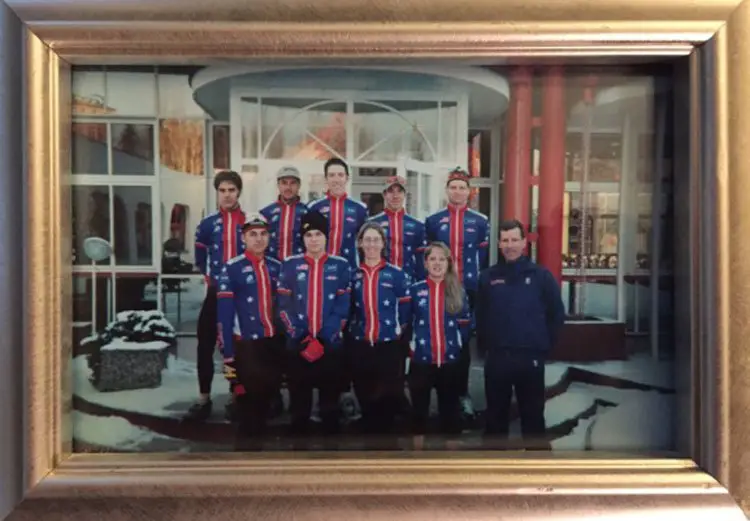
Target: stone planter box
point(131, 365)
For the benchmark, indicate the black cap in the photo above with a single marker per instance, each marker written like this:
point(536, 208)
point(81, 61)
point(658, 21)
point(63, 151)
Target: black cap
point(313, 221)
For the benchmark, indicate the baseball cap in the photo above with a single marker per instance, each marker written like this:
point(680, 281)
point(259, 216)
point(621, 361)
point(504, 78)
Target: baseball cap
point(255, 220)
point(394, 180)
point(288, 171)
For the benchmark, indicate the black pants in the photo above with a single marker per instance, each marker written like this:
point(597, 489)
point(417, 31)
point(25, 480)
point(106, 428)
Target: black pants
point(207, 334)
point(377, 371)
point(327, 374)
point(507, 370)
point(260, 366)
point(446, 380)
point(465, 356)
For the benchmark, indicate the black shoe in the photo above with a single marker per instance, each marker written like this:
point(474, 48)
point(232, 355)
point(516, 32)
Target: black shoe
point(199, 412)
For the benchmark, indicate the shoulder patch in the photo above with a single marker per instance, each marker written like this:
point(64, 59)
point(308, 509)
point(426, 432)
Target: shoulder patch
point(235, 260)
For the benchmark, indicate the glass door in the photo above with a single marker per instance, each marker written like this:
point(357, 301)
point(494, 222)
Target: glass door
point(423, 194)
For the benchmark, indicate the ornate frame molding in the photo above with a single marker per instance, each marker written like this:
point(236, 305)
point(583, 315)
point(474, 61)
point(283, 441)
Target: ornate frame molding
point(716, 274)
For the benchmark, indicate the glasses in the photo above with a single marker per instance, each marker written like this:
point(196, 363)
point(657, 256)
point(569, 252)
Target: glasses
point(372, 240)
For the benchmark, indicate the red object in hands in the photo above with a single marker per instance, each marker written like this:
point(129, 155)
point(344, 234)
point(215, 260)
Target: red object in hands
point(313, 351)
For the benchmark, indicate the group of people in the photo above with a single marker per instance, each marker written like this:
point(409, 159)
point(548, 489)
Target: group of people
point(328, 298)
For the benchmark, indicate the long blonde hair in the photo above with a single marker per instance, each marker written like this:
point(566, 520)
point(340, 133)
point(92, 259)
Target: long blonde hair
point(454, 290)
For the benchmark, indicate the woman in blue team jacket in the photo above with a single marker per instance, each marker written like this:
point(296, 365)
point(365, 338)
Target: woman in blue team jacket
point(380, 315)
point(441, 321)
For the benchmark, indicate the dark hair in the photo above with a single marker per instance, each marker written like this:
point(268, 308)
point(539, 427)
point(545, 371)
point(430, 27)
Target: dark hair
point(228, 176)
point(335, 161)
point(512, 224)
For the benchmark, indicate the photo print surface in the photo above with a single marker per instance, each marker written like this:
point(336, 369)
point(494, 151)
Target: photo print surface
point(404, 258)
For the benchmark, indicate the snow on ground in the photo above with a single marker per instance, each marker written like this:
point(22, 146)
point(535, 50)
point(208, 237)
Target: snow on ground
point(178, 390)
point(644, 421)
point(111, 432)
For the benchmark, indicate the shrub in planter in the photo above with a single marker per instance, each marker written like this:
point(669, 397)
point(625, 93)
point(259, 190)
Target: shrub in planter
point(131, 352)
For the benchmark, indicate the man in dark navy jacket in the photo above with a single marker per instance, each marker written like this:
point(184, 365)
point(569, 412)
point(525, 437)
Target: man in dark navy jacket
point(519, 314)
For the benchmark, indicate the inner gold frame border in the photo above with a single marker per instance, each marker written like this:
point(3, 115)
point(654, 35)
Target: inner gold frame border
point(61, 486)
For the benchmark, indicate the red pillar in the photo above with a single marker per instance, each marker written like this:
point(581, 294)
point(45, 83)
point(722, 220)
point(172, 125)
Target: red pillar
point(552, 171)
point(517, 179)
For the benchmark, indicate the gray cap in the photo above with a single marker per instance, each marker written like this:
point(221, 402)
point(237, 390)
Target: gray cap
point(288, 171)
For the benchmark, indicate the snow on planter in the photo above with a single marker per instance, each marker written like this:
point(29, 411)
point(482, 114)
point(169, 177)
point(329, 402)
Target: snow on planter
point(131, 352)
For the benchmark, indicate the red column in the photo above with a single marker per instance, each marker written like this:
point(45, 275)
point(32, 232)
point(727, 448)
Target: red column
point(552, 171)
point(518, 150)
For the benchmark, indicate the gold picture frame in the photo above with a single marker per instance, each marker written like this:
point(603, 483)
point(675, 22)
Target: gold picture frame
point(716, 36)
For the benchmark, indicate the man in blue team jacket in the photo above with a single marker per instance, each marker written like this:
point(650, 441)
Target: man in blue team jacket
point(519, 314)
point(251, 340)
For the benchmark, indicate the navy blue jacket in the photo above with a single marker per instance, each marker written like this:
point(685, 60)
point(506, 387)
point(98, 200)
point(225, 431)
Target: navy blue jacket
point(218, 239)
point(247, 300)
point(381, 303)
point(518, 306)
point(314, 298)
point(467, 234)
point(345, 217)
point(405, 242)
point(439, 336)
point(284, 222)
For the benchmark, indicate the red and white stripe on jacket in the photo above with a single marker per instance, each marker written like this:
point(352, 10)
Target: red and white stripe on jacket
point(265, 293)
point(286, 229)
point(457, 237)
point(437, 320)
point(230, 220)
point(336, 217)
point(315, 294)
point(371, 276)
point(396, 233)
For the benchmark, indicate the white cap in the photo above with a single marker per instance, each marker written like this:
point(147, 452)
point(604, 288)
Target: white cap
point(288, 171)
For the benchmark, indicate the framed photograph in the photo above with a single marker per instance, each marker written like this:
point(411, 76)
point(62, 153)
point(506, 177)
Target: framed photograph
point(345, 261)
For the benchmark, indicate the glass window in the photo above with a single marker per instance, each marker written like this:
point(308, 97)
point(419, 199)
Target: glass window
point(133, 227)
point(132, 149)
point(91, 218)
point(389, 130)
point(303, 129)
point(221, 147)
point(249, 121)
point(89, 148)
point(182, 191)
point(448, 132)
